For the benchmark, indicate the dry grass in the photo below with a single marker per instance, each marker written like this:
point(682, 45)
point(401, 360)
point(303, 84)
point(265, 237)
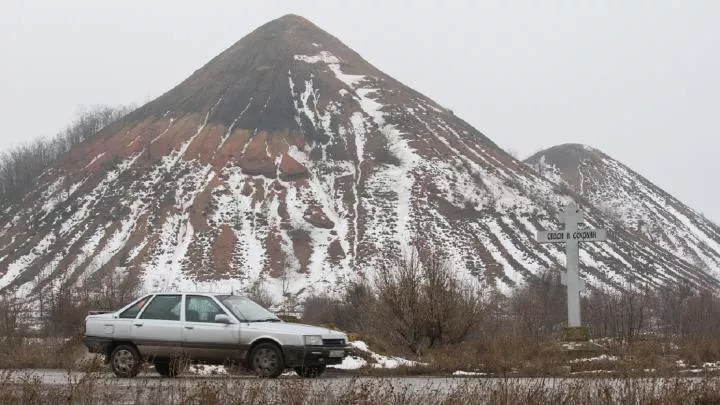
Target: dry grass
point(500, 357)
point(93, 389)
point(38, 353)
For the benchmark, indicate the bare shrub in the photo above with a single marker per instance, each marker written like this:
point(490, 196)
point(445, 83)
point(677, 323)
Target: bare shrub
point(353, 311)
point(321, 310)
point(621, 315)
point(65, 311)
point(66, 305)
point(13, 325)
point(421, 303)
point(260, 294)
point(539, 307)
point(399, 289)
point(111, 291)
point(357, 309)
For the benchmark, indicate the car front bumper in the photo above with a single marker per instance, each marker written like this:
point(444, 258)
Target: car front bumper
point(308, 356)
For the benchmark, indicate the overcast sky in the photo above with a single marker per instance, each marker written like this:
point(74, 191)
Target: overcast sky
point(639, 80)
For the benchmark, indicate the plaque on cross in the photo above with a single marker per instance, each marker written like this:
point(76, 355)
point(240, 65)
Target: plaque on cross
point(571, 235)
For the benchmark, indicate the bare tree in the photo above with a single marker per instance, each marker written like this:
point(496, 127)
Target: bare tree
point(421, 302)
point(21, 166)
point(400, 305)
point(260, 294)
point(354, 311)
point(539, 307)
point(13, 313)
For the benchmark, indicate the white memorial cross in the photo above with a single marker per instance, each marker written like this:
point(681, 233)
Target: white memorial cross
point(571, 236)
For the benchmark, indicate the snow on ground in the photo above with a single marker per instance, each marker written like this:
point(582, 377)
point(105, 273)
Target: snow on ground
point(323, 56)
point(521, 256)
point(163, 132)
point(90, 200)
point(95, 159)
point(379, 361)
point(52, 195)
point(232, 125)
point(461, 373)
point(632, 200)
point(351, 362)
point(175, 237)
point(203, 369)
point(602, 357)
point(16, 267)
point(116, 242)
point(250, 235)
point(548, 171)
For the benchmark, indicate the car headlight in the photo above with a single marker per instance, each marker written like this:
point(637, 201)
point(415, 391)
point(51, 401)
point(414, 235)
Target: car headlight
point(313, 340)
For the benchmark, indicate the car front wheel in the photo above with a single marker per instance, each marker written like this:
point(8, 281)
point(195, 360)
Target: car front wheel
point(266, 360)
point(125, 361)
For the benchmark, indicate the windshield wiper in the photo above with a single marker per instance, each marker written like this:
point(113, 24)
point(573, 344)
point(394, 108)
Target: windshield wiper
point(267, 320)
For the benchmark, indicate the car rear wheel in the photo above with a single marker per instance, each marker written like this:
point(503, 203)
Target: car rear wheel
point(310, 371)
point(125, 361)
point(266, 360)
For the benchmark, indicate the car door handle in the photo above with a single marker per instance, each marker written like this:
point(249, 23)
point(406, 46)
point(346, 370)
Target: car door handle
point(189, 327)
point(138, 324)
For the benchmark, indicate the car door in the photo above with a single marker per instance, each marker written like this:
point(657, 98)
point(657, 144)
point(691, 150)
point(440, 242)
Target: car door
point(122, 327)
point(203, 337)
point(157, 331)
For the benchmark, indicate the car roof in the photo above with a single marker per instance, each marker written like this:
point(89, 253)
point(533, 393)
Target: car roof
point(216, 294)
point(182, 292)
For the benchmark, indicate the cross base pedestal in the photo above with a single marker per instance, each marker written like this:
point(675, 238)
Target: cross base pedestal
point(575, 334)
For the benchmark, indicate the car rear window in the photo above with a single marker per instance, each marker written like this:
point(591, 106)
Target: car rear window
point(135, 309)
point(165, 307)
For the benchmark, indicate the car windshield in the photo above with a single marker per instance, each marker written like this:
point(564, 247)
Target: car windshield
point(246, 309)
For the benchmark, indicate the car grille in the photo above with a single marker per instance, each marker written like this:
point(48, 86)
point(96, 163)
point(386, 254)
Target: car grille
point(334, 342)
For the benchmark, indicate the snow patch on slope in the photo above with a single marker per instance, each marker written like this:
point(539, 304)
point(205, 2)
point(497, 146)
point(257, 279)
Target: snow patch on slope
point(15, 268)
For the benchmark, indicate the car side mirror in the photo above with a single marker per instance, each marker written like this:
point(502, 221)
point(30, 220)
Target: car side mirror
point(222, 318)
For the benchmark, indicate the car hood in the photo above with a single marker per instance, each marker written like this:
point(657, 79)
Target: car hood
point(296, 329)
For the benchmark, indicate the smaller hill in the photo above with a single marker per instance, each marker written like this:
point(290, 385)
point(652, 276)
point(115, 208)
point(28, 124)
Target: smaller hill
point(626, 195)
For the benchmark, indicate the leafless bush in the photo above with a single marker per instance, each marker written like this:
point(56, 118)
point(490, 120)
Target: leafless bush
point(111, 291)
point(352, 312)
point(622, 315)
point(322, 310)
point(539, 307)
point(422, 303)
point(65, 305)
point(260, 294)
point(13, 324)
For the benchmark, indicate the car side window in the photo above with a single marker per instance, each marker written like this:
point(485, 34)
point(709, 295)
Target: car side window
point(165, 307)
point(201, 309)
point(135, 309)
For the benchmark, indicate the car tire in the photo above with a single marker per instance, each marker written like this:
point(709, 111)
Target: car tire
point(310, 371)
point(266, 360)
point(125, 361)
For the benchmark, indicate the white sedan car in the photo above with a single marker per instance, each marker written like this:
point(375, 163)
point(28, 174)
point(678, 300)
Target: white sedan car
point(172, 329)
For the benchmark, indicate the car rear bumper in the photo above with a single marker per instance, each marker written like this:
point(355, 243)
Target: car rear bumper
point(97, 344)
point(309, 356)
